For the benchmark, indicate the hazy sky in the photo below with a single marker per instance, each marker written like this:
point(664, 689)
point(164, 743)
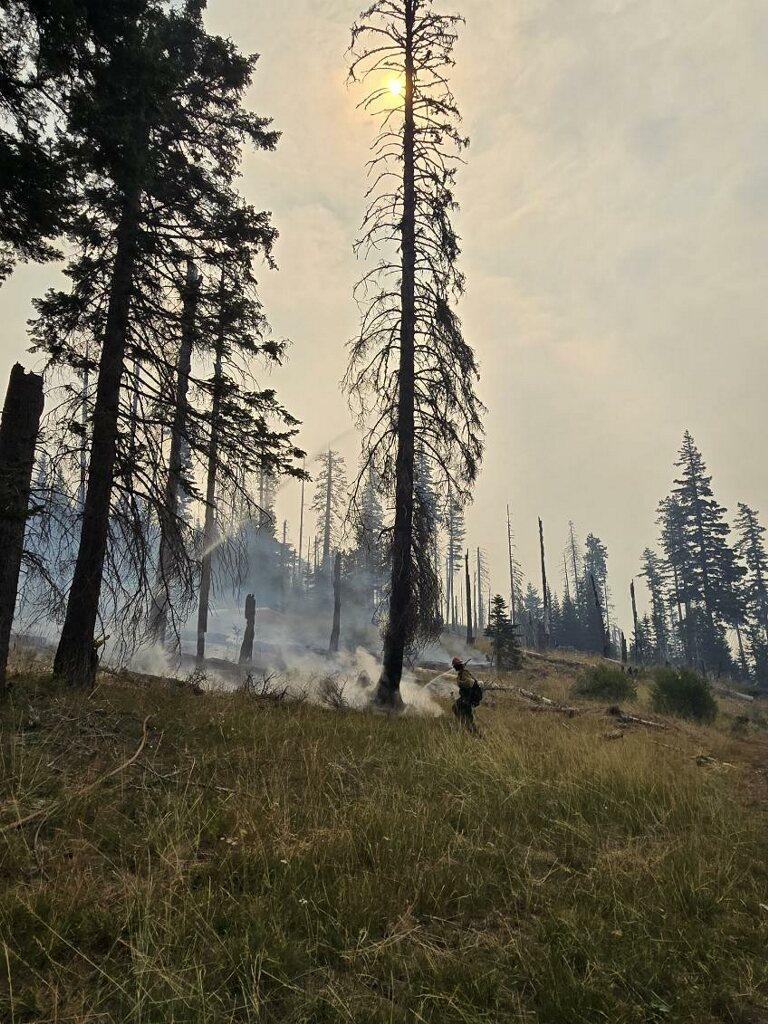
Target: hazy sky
point(614, 223)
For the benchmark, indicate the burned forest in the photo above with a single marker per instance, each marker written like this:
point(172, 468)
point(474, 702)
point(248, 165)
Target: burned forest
point(384, 600)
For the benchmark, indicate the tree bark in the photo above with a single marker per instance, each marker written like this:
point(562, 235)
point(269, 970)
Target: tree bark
point(327, 522)
point(468, 585)
point(336, 630)
point(512, 602)
point(544, 586)
point(599, 608)
point(401, 593)
point(169, 539)
point(638, 643)
point(19, 428)
point(75, 662)
point(246, 648)
point(209, 529)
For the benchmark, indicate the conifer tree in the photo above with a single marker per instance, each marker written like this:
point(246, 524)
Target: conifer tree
point(40, 48)
point(715, 575)
point(750, 547)
point(653, 572)
point(331, 503)
point(154, 133)
point(456, 533)
point(507, 653)
point(410, 369)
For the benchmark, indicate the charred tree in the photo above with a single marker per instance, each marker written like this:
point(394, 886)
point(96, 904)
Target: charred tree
point(411, 373)
point(599, 610)
point(468, 590)
point(209, 528)
point(74, 662)
point(19, 428)
point(638, 645)
point(336, 629)
point(545, 622)
point(246, 648)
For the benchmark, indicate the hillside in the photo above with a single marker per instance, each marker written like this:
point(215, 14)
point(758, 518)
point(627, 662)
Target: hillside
point(260, 860)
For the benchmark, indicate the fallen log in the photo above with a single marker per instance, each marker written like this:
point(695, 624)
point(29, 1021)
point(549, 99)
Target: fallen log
point(627, 719)
point(542, 703)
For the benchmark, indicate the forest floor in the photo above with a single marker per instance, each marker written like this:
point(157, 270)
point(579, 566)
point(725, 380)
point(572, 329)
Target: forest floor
point(210, 858)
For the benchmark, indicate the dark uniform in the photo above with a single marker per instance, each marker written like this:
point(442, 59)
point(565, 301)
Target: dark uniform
point(463, 707)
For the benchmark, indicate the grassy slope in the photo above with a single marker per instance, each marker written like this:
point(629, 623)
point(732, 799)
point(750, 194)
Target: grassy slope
point(284, 863)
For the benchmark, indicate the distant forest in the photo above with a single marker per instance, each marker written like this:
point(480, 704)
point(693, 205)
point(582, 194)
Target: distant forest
point(150, 484)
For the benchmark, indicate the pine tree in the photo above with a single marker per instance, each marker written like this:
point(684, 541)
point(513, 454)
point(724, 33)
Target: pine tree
point(653, 572)
point(715, 574)
point(41, 45)
point(331, 504)
point(410, 369)
point(594, 607)
point(370, 542)
point(154, 137)
point(507, 653)
point(455, 537)
point(750, 547)
point(533, 615)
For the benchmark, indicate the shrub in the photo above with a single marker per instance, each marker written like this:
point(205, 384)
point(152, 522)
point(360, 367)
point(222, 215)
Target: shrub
point(683, 692)
point(605, 682)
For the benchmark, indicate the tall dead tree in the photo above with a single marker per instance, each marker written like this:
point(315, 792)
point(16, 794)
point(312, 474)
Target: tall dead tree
point(209, 528)
point(301, 531)
point(169, 534)
point(328, 508)
point(468, 589)
point(19, 428)
point(512, 580)
point(638, 637)
point(544, 588)
point(336, 629)
point(599, 610)
point(411, 373)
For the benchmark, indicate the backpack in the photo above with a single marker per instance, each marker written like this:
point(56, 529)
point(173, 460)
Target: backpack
point(475, 694)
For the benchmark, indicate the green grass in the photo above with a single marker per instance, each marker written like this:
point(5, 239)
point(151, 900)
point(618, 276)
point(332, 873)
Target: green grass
point(265, 863)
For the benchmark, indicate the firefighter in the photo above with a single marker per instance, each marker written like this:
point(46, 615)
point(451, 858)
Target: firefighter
point(470, 695)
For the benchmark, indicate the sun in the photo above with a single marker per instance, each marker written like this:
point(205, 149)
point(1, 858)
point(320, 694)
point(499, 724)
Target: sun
point(395, 86)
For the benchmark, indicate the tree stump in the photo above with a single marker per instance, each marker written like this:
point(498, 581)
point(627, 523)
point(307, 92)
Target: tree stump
point(19, 428)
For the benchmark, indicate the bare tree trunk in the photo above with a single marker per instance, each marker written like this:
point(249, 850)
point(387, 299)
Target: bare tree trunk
point(209, 529)
point(512, 602)
point(742, 655)
point(336, 630)
point(75, 662)
point(246, 648)
point(19, 428)
point(599, 607)
point(544, 586)
point(327, 523)
point(401, 593)
point(301, 533)
point(451, 565)
point(283, 565)
point(638, 639)
point(479, 605)
point(169, 539)
point(468, 587)
point(84, 428)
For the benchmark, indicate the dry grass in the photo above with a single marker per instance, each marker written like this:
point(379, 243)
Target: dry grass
point(271, 862)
